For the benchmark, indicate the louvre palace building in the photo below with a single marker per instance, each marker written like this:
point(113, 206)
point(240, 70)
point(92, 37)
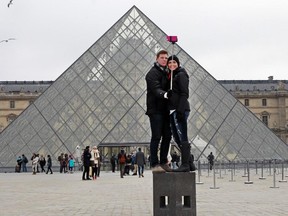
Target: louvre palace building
point(101, 100)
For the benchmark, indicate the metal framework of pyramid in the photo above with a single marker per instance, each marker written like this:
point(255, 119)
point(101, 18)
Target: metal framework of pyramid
point(101, 99)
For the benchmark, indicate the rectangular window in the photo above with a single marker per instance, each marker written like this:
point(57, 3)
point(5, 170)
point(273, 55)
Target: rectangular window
point(264, 102)
point(12, 104)
point(265, 120)
point(246, 102)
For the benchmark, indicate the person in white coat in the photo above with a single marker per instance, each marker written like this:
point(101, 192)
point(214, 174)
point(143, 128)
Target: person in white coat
point(94, 161)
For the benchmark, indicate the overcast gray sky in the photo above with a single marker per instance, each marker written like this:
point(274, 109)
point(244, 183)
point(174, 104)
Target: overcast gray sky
point(231, 39)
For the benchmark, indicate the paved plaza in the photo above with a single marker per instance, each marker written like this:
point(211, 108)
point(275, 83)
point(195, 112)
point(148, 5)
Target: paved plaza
point(66, 194)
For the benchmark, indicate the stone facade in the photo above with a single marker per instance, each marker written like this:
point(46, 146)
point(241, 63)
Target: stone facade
point(16, 96)
point(267, 99)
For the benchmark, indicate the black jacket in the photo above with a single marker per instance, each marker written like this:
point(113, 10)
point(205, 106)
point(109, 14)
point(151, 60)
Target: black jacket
point(86, 157)
point(179, 100)
point(157, 85)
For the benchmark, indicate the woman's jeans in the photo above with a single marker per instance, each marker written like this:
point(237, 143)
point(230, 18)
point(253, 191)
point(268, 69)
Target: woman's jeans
point(179, 128)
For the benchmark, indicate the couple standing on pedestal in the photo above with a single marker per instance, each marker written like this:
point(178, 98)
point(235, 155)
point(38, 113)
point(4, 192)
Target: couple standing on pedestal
point(168, 110)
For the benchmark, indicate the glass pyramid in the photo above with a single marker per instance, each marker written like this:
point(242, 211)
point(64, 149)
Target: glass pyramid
point(101, 99)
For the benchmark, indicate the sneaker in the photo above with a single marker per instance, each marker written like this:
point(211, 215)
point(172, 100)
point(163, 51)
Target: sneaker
point(158, 169)
point(166, 167)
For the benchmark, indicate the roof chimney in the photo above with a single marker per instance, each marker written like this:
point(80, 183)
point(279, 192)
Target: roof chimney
point(270, 78)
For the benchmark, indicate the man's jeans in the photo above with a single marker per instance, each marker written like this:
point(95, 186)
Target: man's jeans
point(179, 128)
point(140, 170)
point(24, 168)
point(160, 128)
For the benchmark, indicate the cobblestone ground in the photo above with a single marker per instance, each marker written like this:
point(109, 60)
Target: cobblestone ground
point(66, 194)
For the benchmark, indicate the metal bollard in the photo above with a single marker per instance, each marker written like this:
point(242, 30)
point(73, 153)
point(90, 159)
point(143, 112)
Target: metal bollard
point(286, 166)
point(214, 179)
point(274, 175)
point(256, 167)
point(199, 173)
point(262, 170)
point(245, 171)
point(248, 175)
point(283, 178)
point(220, 169)
point(208, 168)
point(270, 174)
point(231, 180)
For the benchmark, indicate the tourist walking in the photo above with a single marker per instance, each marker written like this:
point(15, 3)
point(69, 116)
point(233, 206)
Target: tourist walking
point(140, 161)
point(49, 164)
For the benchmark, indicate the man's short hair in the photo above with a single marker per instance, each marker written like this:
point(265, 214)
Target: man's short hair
point(161, 52)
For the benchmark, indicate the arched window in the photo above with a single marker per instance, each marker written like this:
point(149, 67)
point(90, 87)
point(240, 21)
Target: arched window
point(264, 117)
point(11, 117)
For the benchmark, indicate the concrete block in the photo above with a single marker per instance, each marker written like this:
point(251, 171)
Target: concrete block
point(174, 194)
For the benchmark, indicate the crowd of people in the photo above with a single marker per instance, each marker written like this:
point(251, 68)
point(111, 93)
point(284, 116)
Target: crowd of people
point(134, 162)
point(67, 163)
point(40, 164)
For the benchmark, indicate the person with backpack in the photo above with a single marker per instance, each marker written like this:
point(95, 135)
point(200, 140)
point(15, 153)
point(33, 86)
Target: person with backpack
point(122, 161)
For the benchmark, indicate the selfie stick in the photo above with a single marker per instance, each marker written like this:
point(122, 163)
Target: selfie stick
point(173, 40)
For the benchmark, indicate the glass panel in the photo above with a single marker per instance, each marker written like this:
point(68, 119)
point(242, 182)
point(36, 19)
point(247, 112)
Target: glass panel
point(233, 120)
point(59, 102)
point(27, 133)
point(46, 133)
point(239, 110)
point(78, 66)
point(77, 84)
point(244, 130)
point(49, 112)
point(87, 57)
point(229, 100)
point(16, 145)
point(38, 122)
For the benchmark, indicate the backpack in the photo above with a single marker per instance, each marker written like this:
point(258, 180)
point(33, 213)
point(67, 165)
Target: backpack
point(25, 160)
point(122, 159)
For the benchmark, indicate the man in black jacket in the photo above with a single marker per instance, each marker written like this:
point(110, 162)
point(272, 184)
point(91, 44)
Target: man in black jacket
point(157, 80)
point(86, 163)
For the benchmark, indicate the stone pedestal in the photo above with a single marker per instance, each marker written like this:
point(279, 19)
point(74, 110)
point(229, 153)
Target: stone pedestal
point(174, 194)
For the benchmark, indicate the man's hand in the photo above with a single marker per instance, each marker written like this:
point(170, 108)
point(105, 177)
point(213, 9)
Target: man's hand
point(168, 94)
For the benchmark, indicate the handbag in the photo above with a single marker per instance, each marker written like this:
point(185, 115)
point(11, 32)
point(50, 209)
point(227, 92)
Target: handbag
point(92, 163)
